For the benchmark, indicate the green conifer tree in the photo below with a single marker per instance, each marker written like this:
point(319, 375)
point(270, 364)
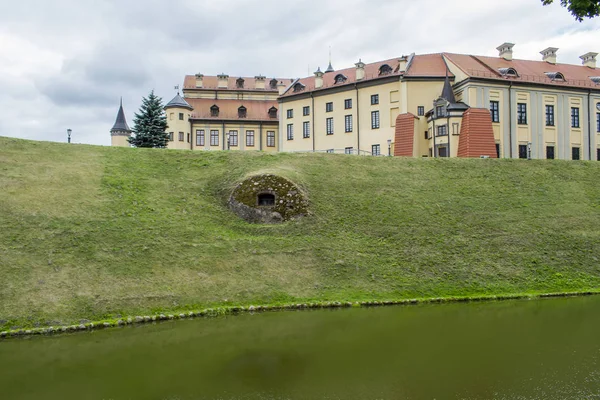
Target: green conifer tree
point(150, 124)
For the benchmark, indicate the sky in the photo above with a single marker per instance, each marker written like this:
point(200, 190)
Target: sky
point(66, 63)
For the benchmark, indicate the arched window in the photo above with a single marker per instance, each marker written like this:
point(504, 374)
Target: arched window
point(239, 83)
point(555, 76)
point(385, 70)
point(273, 83)
point(272, 112)
point(509, 72)
point(242, 112)
point(266, 200)
point(339, 78)
point(298, 87)
point(214, 111)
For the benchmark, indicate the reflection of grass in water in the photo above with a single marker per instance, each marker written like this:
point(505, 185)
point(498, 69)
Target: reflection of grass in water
point(92, 232)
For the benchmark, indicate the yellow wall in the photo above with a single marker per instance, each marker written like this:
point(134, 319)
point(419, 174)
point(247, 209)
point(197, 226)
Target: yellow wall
point(119, 141)
point(175, 126)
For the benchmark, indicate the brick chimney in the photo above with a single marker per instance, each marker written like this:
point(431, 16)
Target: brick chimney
point(360, 70)
point(589, 60)
point(318, 78)
point(259, 82)
point(199, 80)
point(549, 55)
point(223, 81)
point(505, 50)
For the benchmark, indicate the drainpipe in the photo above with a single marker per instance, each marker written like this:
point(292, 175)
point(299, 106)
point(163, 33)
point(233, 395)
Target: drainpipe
point(260, 142)
point(510, 149)
point(191, 135)
point(449, 133)
point(357, 119)
point(312, 113)
point(589, 110)
point(224, 135)
point(434, 134)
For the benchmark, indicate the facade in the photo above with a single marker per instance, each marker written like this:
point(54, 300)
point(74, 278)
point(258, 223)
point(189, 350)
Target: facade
point(426, 105)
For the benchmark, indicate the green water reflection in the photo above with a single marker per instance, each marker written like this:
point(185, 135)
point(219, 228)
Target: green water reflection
point(542, 349)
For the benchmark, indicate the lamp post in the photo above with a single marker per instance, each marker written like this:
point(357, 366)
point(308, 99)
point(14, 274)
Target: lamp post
point(228, 136)
point(69, 131)
point(529, 151)
point(389, 141)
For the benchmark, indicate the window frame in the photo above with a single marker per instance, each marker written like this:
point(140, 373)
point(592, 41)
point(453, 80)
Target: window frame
point(442, 130)
point(181, 116)
point(575, 153)
point(329, 126)
point(420, 111)
point(524, 153)
point(598, 122)
point(550, 155)
point(349, 150)
point(306, 111)
point(200, 137)
point(214, 137)
point(521, 113)
point(347, 104)
point(348, 123)
point(250, 138)
point(233, 138)
point(329, 107)
point(495, 111)
point(270, 138)
point(549, 114)
point(172, 136)
point(290, 131)
point(376, 149)
point(290, 113)
point(575, 122)
point(375, 119)
point(306, 129)
point(374, 99)
point(180, 136)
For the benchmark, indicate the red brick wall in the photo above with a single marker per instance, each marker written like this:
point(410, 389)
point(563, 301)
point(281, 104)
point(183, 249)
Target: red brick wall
point(405, 135)
point(476, 134)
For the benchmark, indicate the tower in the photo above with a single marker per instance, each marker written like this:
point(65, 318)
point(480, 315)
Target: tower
point(120, 131)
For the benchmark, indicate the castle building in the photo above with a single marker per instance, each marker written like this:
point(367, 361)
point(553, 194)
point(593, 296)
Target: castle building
point(428, 105)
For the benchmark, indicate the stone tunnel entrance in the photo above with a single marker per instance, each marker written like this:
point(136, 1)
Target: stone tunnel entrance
point(266, 200)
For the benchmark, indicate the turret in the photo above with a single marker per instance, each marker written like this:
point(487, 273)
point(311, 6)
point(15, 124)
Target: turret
point(120, 131)
point(178, 119)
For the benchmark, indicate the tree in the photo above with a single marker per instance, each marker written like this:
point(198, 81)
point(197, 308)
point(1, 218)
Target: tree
point(579, 8)
point(150, 124)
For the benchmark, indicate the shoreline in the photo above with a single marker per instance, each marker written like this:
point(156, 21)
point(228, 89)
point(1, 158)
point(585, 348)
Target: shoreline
point(234, 310)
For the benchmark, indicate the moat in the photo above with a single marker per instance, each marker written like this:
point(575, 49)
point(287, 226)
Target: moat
point(526, 349)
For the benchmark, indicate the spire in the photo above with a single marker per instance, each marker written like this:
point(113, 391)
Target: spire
point(330, 67)
point(447, 92)
point(179, 102)
point(121, 122)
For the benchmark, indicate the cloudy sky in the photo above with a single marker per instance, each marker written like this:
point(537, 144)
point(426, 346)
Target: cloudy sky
point(65, 63)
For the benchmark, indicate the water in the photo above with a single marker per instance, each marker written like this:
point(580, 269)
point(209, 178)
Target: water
point(541, 349)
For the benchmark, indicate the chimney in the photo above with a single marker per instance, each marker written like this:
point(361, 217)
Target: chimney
point(589, 60)
point(360, 70)
point(549, 55)
point(402, 63)
point(223, 81)
point(505, 50)
point(199, 78)
point(259, 82)
point(318, 78)
point(281, 87)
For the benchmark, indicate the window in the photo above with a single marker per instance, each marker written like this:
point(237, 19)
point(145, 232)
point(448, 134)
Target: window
point(214, 138)
point(439, 111)
point(298, 87)
point(272, 112)
point(171, 136)
point(575, 118)
point(306, 129)
point(181, 116)
point(233, 138)
point(550, 116)
point(329, 126)
point(598, 122)
point(385, 70)
point(350, 150)
point(442, 130)
point(266, 200)
point(511, 72)
point(375, 120)
point(290, 114)
point(328, 107)
point(426, 135)
point(329, 151)
point(270, 138)
point(340, 79)
point(442, 151)
point(376, 150)
point(597, 154)
point(522, 151)
point(347, 104)
point(550, 152)
point(374, 99)
point(239, 83)
point(429, 133)
point(290, 132)
point(242, 112)
point(188, 137)
point(522, 113)
point(250, 138)
point(348, 123)
point(306, 111)
point(214, 111)
point(498, 150)
point(200, 137)
point(273, 83)
point(495, 111)
point(575, 153)
point(181, 136)
point(420, 111)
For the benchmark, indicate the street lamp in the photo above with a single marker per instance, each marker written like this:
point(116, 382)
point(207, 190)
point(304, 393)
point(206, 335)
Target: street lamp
point(228, 143)
point(69, 131)
point(529, 151)
point(389, 147)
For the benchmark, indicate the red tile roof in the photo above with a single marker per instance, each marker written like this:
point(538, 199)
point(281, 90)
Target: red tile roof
point(256, 110)
point(427, 65)
point(211, 82)
point(527, 70)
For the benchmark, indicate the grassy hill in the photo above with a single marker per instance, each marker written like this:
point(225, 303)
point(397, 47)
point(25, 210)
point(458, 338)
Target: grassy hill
point(93, 232)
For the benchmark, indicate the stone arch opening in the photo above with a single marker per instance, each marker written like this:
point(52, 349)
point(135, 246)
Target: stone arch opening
point(266, 200)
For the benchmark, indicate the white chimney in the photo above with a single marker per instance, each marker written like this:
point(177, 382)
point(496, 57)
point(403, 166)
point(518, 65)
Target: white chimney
point(402, 63)
point(223, 81)
point(360, 70)
point(318, 78)
point(281, 87)
point(549, 55)
point(505, 50)
point(589, 60)
point(199, 78)
point(259, 82)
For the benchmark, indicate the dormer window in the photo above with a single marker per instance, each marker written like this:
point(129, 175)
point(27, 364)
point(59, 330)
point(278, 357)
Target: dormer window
point(239, 83)
point(298, 87)
point(508, 72)
point(555, 76)
point(272, 112)
point(214, 111)
point(596, 80)
point(273, 83)
point(242, 112)
point(339, 78)
point(385, 70)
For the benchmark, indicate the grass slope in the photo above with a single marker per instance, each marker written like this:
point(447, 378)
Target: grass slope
point(94, 232)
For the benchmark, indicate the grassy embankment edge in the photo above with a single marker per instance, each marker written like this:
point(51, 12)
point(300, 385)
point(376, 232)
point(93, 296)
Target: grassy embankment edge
point(234, 310)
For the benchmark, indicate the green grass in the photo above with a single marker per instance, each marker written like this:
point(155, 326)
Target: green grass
point(94, 232)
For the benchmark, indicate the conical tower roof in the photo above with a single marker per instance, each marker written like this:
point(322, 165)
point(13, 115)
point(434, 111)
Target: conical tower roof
point(121, 122)
point(329, 68)
point(179, 102)
point(447, 92)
